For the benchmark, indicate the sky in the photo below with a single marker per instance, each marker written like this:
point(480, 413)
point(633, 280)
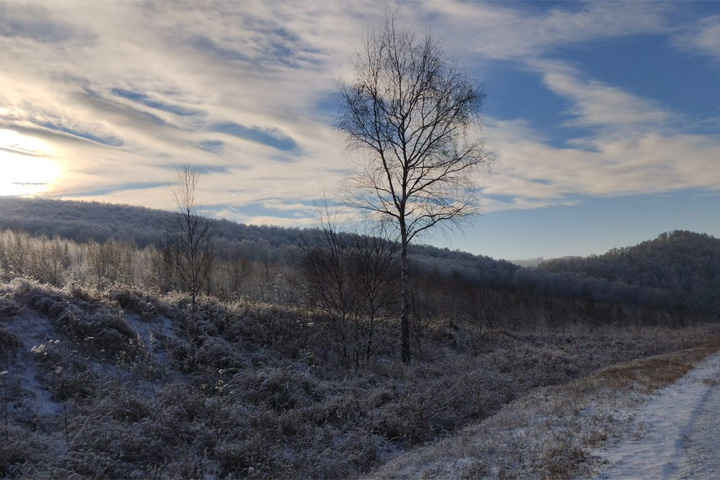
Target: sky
point(603, 116)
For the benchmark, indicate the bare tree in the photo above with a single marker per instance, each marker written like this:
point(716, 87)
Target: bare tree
point(111, 261)
point(347, 277)
point(189, 240)
point(414, 117)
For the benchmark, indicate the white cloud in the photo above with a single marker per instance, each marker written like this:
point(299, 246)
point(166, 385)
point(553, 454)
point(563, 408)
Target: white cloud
point(596, 104)
point(702, 37)
point(504, 31)
point(139, 79)
point(531, 173)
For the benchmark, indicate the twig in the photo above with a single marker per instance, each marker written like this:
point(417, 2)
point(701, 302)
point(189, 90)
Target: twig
point(3, 374)
point(67, 435)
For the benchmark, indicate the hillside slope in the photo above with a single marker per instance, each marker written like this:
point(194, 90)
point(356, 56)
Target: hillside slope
point(683, 268)
point(678, 271)
point(83, 221)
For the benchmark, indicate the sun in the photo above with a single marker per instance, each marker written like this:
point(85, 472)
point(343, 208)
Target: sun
point(25, 168)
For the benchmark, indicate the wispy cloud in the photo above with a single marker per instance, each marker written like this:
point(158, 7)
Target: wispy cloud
point(595, 104)
point(34, 113)
point(157, 104)
point(133, 186)
point(272, 137)
point(34, 23)
point(505, 31)
point(702, 37)
point(532, 173)
point(212, 146)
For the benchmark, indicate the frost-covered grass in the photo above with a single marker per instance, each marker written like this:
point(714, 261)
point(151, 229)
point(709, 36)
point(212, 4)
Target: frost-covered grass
point(117, 383)
point(674, 434)
point(553, 432)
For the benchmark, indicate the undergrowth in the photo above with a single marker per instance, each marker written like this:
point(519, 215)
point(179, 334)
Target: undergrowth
point(140, 388)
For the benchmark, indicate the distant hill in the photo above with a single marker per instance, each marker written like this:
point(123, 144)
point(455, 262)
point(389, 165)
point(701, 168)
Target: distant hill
point(528, 262)
point(85, 221)
point(679, 269)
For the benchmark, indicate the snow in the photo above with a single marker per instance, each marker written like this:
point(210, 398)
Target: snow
point(675, 432)
point(35, 333)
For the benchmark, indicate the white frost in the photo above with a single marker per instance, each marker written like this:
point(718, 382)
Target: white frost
point(675, 432)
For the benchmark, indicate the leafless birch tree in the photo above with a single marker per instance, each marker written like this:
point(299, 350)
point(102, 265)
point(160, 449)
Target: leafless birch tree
point(189, 241)
point(413, 116)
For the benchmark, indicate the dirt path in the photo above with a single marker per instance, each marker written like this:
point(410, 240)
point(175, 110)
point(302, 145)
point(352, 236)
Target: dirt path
point(676, 433)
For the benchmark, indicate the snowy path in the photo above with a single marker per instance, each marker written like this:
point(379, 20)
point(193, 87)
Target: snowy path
point(679, 432)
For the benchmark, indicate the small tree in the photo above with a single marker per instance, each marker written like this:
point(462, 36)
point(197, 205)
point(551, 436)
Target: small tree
point(415, 118)
point(189, 239)
point(347, 276)
point(111, 261)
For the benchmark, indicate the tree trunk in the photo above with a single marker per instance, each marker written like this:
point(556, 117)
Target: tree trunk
point(405, 295)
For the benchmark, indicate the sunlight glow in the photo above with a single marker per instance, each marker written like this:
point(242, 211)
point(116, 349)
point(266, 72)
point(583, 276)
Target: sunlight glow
point(24, 167)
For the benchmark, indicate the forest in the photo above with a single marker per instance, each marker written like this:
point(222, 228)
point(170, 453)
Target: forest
point(677, 271)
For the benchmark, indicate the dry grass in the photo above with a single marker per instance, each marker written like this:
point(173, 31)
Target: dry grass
point(651, 374)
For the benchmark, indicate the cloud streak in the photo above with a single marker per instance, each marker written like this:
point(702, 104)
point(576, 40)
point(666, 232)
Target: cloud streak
point(595, 104)
point(271, 137)
point(148, 101)
point(703, 37)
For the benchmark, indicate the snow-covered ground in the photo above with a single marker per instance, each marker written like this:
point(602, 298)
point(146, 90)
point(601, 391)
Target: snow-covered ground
point(676, 434)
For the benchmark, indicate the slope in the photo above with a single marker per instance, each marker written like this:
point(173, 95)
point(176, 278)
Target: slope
point(84, 221)
point(679, 269)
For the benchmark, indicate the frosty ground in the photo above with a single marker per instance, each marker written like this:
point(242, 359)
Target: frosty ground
point(674, 435)
point(116, 383)
point(633, 420)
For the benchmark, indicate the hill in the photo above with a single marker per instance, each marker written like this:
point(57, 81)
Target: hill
point(86, 221)
point(679, 269)
point(676, 271)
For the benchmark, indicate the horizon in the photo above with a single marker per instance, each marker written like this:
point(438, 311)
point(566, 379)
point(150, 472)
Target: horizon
point(529, 261)
point(604, 117)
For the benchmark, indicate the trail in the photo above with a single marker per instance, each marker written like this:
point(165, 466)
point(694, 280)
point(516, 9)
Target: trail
point(677, 432)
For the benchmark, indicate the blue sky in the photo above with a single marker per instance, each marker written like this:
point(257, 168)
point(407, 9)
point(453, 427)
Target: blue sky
point(604, 116)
